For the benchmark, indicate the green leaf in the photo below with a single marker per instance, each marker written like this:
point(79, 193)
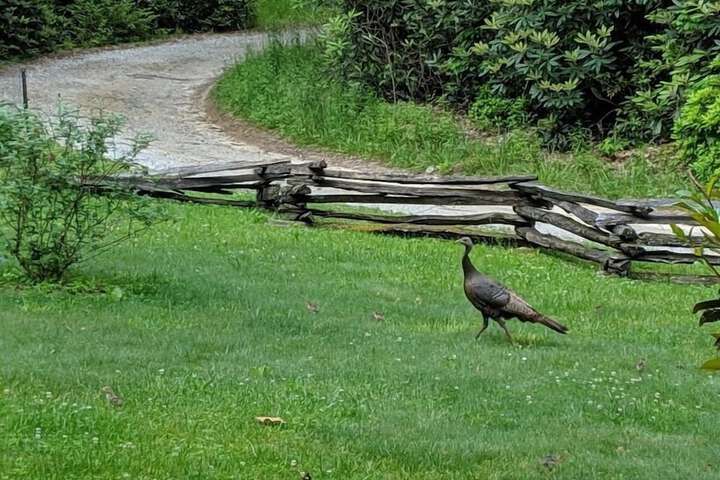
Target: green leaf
point(712, 364)
point(679, 232)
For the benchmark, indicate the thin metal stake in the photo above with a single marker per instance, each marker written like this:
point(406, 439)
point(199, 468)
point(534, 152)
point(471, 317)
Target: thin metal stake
point(23, 79)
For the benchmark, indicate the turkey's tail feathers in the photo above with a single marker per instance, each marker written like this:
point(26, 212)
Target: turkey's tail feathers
point(550, 323)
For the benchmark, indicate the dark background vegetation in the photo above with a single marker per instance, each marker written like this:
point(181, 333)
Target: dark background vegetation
point(32, 27)
point(618, 69)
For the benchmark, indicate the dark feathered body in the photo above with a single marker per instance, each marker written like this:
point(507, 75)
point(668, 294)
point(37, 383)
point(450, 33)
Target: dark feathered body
point(496, 301)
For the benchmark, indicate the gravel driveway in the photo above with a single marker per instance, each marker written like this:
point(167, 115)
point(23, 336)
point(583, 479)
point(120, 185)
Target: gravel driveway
point(159, 88)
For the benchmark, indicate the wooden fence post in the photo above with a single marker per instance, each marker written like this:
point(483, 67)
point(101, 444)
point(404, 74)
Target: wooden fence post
point(23, 85)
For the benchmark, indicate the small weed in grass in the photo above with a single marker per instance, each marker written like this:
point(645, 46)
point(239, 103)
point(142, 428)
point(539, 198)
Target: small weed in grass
point(289, 90)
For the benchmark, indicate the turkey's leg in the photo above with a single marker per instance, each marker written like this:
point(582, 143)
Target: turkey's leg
point(486, 322)
point(501, 322)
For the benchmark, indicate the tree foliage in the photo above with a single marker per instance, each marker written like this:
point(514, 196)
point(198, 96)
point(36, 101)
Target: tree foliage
point(683, 51)
point(31, 27)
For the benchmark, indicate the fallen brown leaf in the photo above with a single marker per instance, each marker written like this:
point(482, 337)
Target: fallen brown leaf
point(550, 461)
point(270, 421)
point(378, 316)
point(312, 307)
point(113, 398)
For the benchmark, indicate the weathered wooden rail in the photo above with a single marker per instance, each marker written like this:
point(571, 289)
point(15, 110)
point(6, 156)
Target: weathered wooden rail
point(607, 232)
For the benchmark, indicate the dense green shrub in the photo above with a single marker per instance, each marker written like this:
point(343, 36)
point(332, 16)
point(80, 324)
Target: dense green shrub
point(49, 219)
point(600, 66)
point(197, 16)
point(573, 61)
point(683, 53)
point(410, 50)
point(31, 27)
point(697, 130)
point(27, 27)
point(101, 22)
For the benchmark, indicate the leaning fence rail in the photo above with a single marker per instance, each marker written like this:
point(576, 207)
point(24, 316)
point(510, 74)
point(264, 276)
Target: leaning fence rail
point(588, 227)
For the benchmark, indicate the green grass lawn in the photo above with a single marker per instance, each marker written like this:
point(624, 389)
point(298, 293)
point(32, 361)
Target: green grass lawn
point(204, 326)
point(288, 89)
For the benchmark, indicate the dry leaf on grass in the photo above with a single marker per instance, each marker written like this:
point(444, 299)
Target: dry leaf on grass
point(378, 316)
point(270, 421)
point(640, 365)
point(550, 461)
point(113, 398)
point(312, 307)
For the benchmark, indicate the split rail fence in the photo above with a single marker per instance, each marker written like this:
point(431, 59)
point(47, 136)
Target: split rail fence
point(603, 231)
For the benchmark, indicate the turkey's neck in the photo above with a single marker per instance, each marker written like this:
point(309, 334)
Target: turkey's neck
point(466, 264)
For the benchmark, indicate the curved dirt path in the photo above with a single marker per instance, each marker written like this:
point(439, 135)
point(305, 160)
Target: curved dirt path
point(160, 89)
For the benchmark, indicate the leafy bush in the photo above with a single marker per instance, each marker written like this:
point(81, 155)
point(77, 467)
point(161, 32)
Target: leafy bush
point(31, 27)
point(410, 50)
point(27, 27)
point(491, 112)
point(93, 22)
point(700, 205)
point(607, 67)
point(197, 16)
point(49, 218)
point(571, 60)
point(697, 130)
point(682, 52)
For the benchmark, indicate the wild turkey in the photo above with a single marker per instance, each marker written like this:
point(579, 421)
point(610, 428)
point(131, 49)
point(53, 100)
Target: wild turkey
point(497, 301)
